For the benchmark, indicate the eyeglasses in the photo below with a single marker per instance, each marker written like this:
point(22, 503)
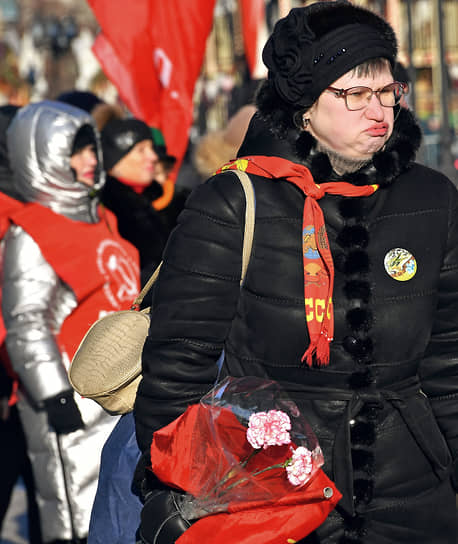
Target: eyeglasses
point(358, 98)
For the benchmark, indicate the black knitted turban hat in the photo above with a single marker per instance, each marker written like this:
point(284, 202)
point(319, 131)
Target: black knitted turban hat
point(119, 136)
point(313, 46)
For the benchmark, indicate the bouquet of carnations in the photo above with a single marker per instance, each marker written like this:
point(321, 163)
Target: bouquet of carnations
point(249, 464)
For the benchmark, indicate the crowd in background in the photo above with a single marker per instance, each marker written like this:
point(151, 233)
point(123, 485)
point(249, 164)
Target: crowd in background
point(43, 54)
point(84, 187)
point(110, 178)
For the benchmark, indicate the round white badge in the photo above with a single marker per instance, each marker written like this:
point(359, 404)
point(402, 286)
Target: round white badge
point(400, 264)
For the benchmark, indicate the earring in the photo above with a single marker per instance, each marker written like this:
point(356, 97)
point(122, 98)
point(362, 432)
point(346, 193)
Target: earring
point(305, 122)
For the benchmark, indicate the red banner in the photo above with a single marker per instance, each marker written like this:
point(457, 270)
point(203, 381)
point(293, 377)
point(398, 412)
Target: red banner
point(253, 22)
point(152, 51)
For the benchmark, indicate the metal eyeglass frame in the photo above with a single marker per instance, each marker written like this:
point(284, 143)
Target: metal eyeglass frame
point(342, 93)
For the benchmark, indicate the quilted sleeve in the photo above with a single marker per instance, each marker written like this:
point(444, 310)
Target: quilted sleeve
point(32, 293)
point(195, 299)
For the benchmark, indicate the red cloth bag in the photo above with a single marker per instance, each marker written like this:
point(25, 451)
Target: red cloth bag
point(189, 454)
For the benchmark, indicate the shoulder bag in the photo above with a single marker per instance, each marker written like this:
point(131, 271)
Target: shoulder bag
point(107, 364)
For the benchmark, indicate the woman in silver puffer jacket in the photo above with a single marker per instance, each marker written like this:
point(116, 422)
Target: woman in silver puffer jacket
point(64, 265)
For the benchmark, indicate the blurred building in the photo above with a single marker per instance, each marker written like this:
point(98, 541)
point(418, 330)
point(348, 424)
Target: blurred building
point(45, 48)
point(49, 45)
point(428, 49)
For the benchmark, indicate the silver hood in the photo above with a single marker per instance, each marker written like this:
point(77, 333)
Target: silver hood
point(40, 140)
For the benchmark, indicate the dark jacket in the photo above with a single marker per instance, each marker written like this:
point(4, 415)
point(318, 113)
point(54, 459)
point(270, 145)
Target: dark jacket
point(138, 222)
point(385, 409)
point(168, 215)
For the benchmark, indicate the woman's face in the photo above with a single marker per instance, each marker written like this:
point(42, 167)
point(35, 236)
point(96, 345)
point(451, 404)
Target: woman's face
point(138, 165)
point(354, 134)
point(84, 163)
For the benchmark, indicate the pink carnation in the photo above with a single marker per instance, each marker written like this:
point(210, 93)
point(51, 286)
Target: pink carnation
point(299, 469)
point(268, 429)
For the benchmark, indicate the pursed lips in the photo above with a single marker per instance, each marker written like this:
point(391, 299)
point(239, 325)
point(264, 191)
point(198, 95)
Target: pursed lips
point(378, 129)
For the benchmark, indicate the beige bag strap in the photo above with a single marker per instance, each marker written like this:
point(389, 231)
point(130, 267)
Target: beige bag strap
point(247, 236)
point(146, 288)
point(249, 220)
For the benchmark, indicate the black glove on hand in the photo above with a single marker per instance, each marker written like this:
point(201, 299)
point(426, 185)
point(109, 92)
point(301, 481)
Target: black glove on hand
point(63, 413)
point(161, 521)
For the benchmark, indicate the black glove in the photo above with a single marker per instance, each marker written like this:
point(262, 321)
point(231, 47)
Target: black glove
point(63, 413)
point(161, 521)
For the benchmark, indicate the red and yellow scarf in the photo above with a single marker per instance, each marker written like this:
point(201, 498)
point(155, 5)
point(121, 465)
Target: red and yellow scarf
point(317, 258)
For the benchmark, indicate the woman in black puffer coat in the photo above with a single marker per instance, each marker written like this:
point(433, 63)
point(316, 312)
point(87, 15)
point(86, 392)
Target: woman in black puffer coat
point(384, 405)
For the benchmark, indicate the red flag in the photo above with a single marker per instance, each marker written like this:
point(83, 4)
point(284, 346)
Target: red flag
point(256, 505)
point(152, 51)
point(254, 35)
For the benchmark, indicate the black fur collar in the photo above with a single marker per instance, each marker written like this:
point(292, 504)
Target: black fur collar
point(385, 167)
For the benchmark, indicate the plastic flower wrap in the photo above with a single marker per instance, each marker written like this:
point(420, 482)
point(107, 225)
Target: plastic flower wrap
point(245, 456)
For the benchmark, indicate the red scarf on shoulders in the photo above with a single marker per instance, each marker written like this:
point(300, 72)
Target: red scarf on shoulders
point(317, 258)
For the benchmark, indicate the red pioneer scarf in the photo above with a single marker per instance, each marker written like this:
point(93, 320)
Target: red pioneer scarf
point(137, 187)
point(318, 264)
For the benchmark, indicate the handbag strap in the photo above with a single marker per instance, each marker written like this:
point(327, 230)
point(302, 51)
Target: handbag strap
point(247, 237)
point(248, 233)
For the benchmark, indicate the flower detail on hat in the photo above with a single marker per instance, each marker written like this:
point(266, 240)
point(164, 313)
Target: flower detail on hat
point(288, 56)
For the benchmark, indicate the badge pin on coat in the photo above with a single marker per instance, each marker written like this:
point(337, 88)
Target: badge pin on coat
point(400, 264)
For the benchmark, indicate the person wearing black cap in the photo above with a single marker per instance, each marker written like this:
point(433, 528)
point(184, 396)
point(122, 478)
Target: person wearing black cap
point(85, 100)
point(350, 298)
point(100, 111)
point(129, 160)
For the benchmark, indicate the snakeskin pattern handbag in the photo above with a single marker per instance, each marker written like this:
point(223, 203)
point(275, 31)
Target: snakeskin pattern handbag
point(107, 364)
